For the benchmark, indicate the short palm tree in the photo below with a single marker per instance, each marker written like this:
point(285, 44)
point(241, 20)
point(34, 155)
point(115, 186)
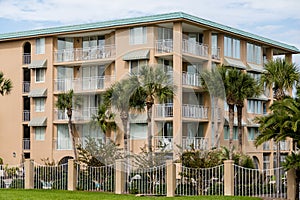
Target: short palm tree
point(152, 84)
point(5, 85)
point(213, 83)
point(246, 87)
point(65, 102)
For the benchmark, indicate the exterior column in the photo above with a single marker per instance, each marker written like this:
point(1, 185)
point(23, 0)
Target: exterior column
point(72, 175)
point(120, 177)
point(171, 178)
point(177, 74)
point(289, 57)
point(291, 184)
point(228, 178)
point(29, 174)
point(269, 53)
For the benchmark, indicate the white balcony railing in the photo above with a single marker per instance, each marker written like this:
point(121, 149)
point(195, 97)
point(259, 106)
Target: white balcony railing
point(215, 53)
point(83, 54)
point(163, 142)
point(26, 115)
point(164, 110)
point(194, 111)
point(83, 84)
point(26, 87)
point(191, 79)
point(198, 143)
point(26, 144)
point(164, 46)
point(194, 48)
point(84, 114)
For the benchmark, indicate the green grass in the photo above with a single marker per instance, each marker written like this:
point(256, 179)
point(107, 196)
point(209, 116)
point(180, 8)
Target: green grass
point(13, 194)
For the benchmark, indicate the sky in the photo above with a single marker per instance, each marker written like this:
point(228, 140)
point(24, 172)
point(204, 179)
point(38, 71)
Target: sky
point(275, 19)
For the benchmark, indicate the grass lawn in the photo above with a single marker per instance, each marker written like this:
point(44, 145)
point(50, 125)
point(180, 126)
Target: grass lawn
point(13, 194)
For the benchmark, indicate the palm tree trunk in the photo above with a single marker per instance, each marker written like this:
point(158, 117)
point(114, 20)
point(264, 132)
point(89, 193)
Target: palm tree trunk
point(124, 118)
point(70, 128)
point(240, 127)
point(231, 121)
point(216, 123)
point(149, 130)
point(297, 184)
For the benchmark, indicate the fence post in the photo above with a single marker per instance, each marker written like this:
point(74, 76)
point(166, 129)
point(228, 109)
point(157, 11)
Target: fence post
point(171, 178)
point(72, 175)
point(291, 184)
point(29, 174)
point(228, 178)
point(120, 177)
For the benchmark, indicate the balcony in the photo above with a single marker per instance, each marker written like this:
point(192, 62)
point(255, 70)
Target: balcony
point(164, 110)
point(284, 145)
point(85, 54)
point(84, 84)
point(194, 111)
point(84, 114)
point(191, 79)
point(26, 58)
point(26, 143)
point(26, 87)
point(198, 143)
point(164, 46)
point(194, 48)
point(163, 142)
point(26, 115)
point(215, 53)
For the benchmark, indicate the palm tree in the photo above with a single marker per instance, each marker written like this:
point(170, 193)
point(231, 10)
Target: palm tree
point(246, 87)
point(213, 83)
point(229, 76)
point(103, 119)
point(118, 96)
point(5, 85)
point(153, 84)
point(65, 102)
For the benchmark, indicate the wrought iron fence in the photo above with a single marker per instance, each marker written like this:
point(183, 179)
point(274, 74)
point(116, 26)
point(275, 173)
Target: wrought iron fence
point(12, 176)
point(51, 177)
point(200, 181)
point(260, 183)
point(147, 181)
point(96, 178)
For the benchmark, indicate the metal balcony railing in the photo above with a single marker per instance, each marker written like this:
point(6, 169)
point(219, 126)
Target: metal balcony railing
point(194, 111)
point(198, 143)
point(84, 54)
point(26, 115)
point(215, 53)
point(26, 87)
point(164, 46)
point(194, 48)
point(26, 144)
point(191, 79)
point(164, 110)
point(26, 58)
point(163, 142)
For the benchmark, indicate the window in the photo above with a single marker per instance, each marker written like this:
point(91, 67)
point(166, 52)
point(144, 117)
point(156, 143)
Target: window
point(214, 46)
point(165, 34)
point(91, 132)
point(39, 75)
point(138, 131)
point(227, 133)
point(252, 133)
point(65, 43)
point(64, 141)
point(254, 54)
point(40, 133)
point(138, 35)
point(39, 104)
point(40, 45)
point(254, 106)
point(135, 66)
point(93, 77)
point(232, 47)
point(266, 161)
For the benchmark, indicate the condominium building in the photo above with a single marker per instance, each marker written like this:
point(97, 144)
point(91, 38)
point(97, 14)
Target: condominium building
point(88, 58)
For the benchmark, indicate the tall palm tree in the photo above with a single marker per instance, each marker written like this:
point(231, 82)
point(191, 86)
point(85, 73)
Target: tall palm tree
point(103, 119)
point(5, 85)
point(246, 87)
point(213, 83)
point(118, 97)
point(229, 76)
point(153, 84)
point(66, 102)
point(281, 75)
